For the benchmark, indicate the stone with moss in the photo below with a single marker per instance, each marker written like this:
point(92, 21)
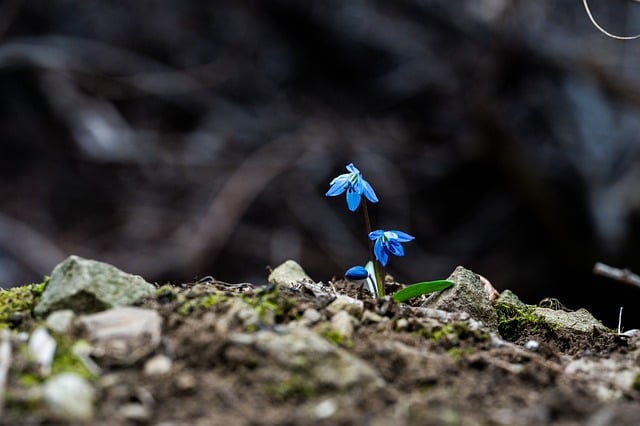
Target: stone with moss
point(17, 303)
point(87, 286)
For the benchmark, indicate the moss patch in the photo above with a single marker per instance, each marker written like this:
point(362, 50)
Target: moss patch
point(516, 321)
point(17, 303)
point(330, 333)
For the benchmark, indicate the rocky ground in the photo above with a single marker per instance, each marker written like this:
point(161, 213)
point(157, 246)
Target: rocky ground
point(95, 345)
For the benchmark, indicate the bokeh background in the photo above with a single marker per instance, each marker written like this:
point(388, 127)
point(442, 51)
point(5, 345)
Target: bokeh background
point(184, 139)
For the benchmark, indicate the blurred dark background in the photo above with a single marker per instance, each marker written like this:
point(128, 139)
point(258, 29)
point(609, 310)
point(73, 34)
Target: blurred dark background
point(182, 139)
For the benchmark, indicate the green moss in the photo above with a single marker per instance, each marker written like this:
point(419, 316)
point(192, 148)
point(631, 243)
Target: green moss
point(458, 353)
point(19, 301)
point(455, 332)
point(515, 320)
point(330, 333)
point(271, 305)
point(66, 361)
point(293, 387)
point(636, 383)
point(202, 302)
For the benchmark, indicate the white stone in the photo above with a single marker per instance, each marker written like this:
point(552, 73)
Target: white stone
point(343, 323)
point(158, 365)
point(326, 409)
point(69, 397)
point(60, 321)
point(42, 348)
point(353, 307)
point(123, 335)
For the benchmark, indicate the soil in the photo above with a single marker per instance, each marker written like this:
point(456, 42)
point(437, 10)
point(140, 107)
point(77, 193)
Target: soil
point(435, 371)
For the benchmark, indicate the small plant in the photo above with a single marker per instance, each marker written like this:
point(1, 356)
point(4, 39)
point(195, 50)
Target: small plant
point(382, 243)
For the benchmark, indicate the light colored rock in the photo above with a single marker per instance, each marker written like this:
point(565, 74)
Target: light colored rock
point(353, 307)
point(510, 298)
point(325, 409)
point(607, 378)
point(135, 412)
point(319, 362)
point(311, 316)
point(467, 295)
point(69, 397)
point(42, 348)
point(580, 321)
point(60, 321)
point(123, 335)
point(343, 323)
point(157, 365)
point(86, 286)
point(369, 316)
point(289, 274)
point(239, 313)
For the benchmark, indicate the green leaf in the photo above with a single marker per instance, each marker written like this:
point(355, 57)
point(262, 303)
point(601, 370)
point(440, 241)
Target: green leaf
point(419, 289)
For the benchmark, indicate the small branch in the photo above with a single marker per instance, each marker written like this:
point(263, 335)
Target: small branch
point(622, 275)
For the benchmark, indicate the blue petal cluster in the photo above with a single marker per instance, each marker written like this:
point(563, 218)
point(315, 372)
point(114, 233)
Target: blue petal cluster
point(387, 242)
point(357, 273)
point(354, 185)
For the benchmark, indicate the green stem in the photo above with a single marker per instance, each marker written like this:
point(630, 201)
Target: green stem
point(376, 266)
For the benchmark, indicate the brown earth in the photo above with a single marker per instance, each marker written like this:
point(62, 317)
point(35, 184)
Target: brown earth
point(431, 368)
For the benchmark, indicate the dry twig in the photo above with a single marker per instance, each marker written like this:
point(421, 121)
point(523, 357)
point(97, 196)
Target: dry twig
point(622, 275)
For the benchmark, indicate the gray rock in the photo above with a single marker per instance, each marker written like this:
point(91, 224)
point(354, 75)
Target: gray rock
point(69, 397)
point(42, 348)
point(289, 274)
point(157, 366)
point(90, 286)
point(353, 307)
point(135, 412)
point(510, 298)
point(580, 321)
point(343, 323)
point(319, 363)
point(122, 336)
point(60, 321)
point(467, 295)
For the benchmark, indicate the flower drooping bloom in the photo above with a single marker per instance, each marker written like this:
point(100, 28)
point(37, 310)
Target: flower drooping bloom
point(362, 276)
point(357, 273)
point(388, 242)
point(354, 185)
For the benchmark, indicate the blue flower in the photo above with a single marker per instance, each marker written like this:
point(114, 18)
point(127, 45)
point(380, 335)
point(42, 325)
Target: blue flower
point(354, 185)
point(360, 275)
point(388, 242)
point(357, 273)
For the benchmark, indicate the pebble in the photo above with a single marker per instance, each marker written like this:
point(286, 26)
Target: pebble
point(353, 307)
point(343, 323)
point(60, 321)
point(124, 335)
point(69, 397)
point(135, 412)
point(157, 366)
point(310, 317)
point(42, 348)
point(326, 409)
point(532, 345)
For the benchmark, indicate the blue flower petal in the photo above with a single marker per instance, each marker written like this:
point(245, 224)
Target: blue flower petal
point(395, 248)
point(369, 192)
point(353, 199)
point(376, 234)
point(352, 168)
point(380, 252)
point(338, 185)
point(356, 273)
point(403, 237)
